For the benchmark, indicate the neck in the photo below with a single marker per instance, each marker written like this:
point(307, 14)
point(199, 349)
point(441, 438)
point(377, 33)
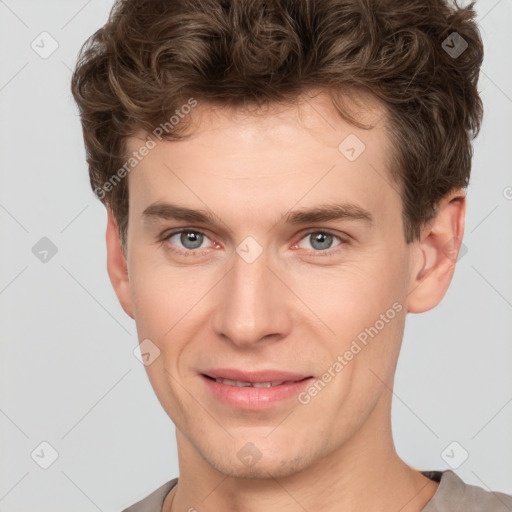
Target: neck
point(365, 473)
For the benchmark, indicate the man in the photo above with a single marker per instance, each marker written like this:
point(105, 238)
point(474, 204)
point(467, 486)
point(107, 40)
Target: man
point(284, 182)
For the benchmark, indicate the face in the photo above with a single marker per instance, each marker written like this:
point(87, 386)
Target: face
point(297, 273)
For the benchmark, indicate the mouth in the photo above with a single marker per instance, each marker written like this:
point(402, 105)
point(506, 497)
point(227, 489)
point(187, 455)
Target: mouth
point(253, 390)
point(241, 384)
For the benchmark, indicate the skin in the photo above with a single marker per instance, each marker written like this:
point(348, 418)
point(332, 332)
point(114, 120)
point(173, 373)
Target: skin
point(294, 308)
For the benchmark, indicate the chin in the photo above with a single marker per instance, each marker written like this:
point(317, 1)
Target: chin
point(264, 468)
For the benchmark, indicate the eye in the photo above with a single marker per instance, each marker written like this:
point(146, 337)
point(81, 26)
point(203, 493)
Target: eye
point(319, 241)
point(188, 239)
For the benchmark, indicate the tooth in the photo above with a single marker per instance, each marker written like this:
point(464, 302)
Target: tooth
point(236, 383)
point(241, 384)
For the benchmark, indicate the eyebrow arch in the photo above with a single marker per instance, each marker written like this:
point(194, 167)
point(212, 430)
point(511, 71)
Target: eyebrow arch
point(169, 211)
point(322, 213)
point(329, 212)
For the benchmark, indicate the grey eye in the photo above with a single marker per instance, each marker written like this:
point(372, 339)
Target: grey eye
point(320, 240)
point(194, 240)
point(189, 239)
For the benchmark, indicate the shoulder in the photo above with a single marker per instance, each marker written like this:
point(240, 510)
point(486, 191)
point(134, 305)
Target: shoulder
point(454, 494)
point(154, 501)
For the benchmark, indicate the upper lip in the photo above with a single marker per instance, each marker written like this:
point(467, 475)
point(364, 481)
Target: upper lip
point(254, 376)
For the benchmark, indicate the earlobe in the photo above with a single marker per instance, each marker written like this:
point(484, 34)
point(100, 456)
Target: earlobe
point(116, 265)
point(437, 253)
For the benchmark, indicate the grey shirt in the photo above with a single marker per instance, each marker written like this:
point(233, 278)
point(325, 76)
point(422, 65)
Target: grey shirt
point(452, 495)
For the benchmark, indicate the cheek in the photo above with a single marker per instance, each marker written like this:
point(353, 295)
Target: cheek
point(161, 295)
point(170, 307)
point(362, 315)
point(352, 295)
point(151, 306)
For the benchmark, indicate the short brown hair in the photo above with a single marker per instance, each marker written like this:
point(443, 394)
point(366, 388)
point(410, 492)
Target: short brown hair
point(153, 56)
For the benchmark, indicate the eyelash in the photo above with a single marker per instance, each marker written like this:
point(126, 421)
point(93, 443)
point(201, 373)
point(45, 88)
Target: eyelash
point(200, 252)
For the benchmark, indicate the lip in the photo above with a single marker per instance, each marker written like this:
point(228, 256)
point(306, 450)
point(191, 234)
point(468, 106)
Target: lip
point(250, 398)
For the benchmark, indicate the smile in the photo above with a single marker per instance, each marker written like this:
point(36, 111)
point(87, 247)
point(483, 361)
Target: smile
point(241, 384)
point(253, 390)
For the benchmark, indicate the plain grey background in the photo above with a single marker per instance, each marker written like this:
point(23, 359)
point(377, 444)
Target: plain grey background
point(69, 377)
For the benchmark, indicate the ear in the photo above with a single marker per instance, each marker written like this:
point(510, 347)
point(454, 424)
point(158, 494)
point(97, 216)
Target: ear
point(116, 265)
point(436, 254)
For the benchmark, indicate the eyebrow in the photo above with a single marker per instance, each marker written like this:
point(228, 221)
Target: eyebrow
point(321, 213)
point(327, 212)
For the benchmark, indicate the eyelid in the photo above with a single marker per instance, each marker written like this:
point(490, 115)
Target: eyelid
point(309, 231)
point(167, 234)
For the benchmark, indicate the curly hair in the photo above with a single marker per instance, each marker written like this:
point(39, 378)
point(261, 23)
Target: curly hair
point(154, 56)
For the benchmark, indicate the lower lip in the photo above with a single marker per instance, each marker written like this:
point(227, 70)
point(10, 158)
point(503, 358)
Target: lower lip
point(254, 398)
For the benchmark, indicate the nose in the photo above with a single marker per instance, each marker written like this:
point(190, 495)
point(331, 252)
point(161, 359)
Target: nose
point(253, 304)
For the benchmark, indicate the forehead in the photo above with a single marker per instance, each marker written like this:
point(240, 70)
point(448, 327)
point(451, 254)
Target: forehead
point(312, 113)
point(260, 160)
